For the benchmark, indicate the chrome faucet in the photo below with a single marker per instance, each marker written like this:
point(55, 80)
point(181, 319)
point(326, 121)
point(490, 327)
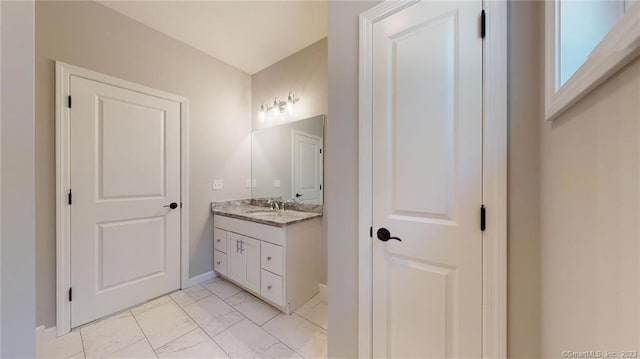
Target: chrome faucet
point(274, 205)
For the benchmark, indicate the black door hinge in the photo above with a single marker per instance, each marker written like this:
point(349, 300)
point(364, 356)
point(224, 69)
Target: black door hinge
point(69, 101)
point(70, 199)
point(483, 24)
point(483, 218)
point(70, 294)
point(371, 232)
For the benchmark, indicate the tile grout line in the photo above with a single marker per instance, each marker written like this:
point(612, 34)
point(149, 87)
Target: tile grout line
point(182, 336)
point(259, 326)
point(142, 331)
point(310, 321)
point(201, 328)
point(84, 350)
point(245, 317)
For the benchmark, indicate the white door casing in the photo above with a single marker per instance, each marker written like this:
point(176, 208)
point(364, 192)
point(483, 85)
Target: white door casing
point(306, 167)
point(427, 183)
point(491, 339)
point(121, 150)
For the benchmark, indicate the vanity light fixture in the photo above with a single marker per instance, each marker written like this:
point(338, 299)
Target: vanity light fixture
point(278, 105)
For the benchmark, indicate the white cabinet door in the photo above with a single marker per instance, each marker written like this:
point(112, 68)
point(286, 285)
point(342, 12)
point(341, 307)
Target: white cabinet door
point(244, 261)
point(235, 258)
point(125, 171)
point(427, 183)
point(250, 249)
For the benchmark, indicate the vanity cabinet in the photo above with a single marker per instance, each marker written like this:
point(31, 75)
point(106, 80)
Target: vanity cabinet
point(281, 265)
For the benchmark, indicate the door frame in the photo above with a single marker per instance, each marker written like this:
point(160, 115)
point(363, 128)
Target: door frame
point(295, 132)
point(494, 176)
point(63, 176)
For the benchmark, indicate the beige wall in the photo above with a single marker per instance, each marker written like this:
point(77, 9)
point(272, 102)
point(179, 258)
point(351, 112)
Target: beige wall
point(342, 178)
point(304, 72)
point(90, 35)
point(590, 227)
point(523, 221)
point(17, 264)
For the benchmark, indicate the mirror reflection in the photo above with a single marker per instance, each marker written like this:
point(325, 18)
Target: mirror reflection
point(287, 161)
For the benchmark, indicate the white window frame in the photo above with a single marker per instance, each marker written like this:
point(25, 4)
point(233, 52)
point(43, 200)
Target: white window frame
point(494, 187)
point(63, 211)
point(619, 47)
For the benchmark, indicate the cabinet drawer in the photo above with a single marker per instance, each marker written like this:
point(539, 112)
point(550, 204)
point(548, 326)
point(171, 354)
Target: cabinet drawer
point(220, 262)
point(220, 240)
point(271, 287)
point(272, 258)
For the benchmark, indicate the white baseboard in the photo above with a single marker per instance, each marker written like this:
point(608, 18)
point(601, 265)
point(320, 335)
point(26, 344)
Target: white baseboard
point(199, 279)
point(323, 291)
point(45, 334)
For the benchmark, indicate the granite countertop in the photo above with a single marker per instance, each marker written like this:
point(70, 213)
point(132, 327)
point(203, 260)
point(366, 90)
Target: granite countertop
point(250, 210)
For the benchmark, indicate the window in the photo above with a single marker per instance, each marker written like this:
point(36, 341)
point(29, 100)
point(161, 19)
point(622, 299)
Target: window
point(586, 41)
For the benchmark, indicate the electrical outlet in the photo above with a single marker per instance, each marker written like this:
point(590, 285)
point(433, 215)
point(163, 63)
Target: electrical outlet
point(276, 183)
point(253, 183)
point(217, 184)
point(248, 183)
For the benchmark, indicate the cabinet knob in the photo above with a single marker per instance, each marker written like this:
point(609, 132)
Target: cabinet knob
point(268, 258)
point(268, 287)
point(218, 240)
point(218, 262)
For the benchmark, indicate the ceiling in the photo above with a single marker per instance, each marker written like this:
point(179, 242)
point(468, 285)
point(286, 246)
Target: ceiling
point(250, 35)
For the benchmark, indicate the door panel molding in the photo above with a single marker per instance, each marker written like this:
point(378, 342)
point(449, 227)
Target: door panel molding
point(64, 72)
point(494, 189)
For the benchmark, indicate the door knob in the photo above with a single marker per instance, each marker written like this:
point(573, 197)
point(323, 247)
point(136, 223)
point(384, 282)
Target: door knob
point(171, 205)
point(298, 195)
point(384, 235)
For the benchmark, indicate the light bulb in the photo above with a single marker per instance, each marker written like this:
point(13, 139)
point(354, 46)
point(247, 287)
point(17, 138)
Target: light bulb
point(261, 112)
point(290, 103)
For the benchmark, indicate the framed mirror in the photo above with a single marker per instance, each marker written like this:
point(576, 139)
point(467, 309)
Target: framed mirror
point(586, 41)
point(287, 161)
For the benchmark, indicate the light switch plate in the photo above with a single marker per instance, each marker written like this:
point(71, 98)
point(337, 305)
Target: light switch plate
point(253, 183)
point(217, 184)
point(276, 183)
point(248, 183)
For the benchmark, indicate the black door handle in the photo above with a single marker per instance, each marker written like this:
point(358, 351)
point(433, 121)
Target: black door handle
point(298, 195)
point(384, 235)
point(171, 205)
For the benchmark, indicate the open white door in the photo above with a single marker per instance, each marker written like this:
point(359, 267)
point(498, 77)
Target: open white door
point(306, 167)
point(125, 198)
point(427, 182)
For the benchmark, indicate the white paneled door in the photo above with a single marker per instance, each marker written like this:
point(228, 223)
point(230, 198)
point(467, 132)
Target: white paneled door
point(427, 182)
point(125, 198)
point(306, 167)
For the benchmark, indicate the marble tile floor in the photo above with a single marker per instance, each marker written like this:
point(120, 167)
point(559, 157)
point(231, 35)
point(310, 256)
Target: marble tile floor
point(215, 319)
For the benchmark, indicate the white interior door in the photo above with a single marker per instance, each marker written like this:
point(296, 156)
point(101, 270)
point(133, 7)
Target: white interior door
point(125, 170)
point(427, 182)
point(306, 167)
